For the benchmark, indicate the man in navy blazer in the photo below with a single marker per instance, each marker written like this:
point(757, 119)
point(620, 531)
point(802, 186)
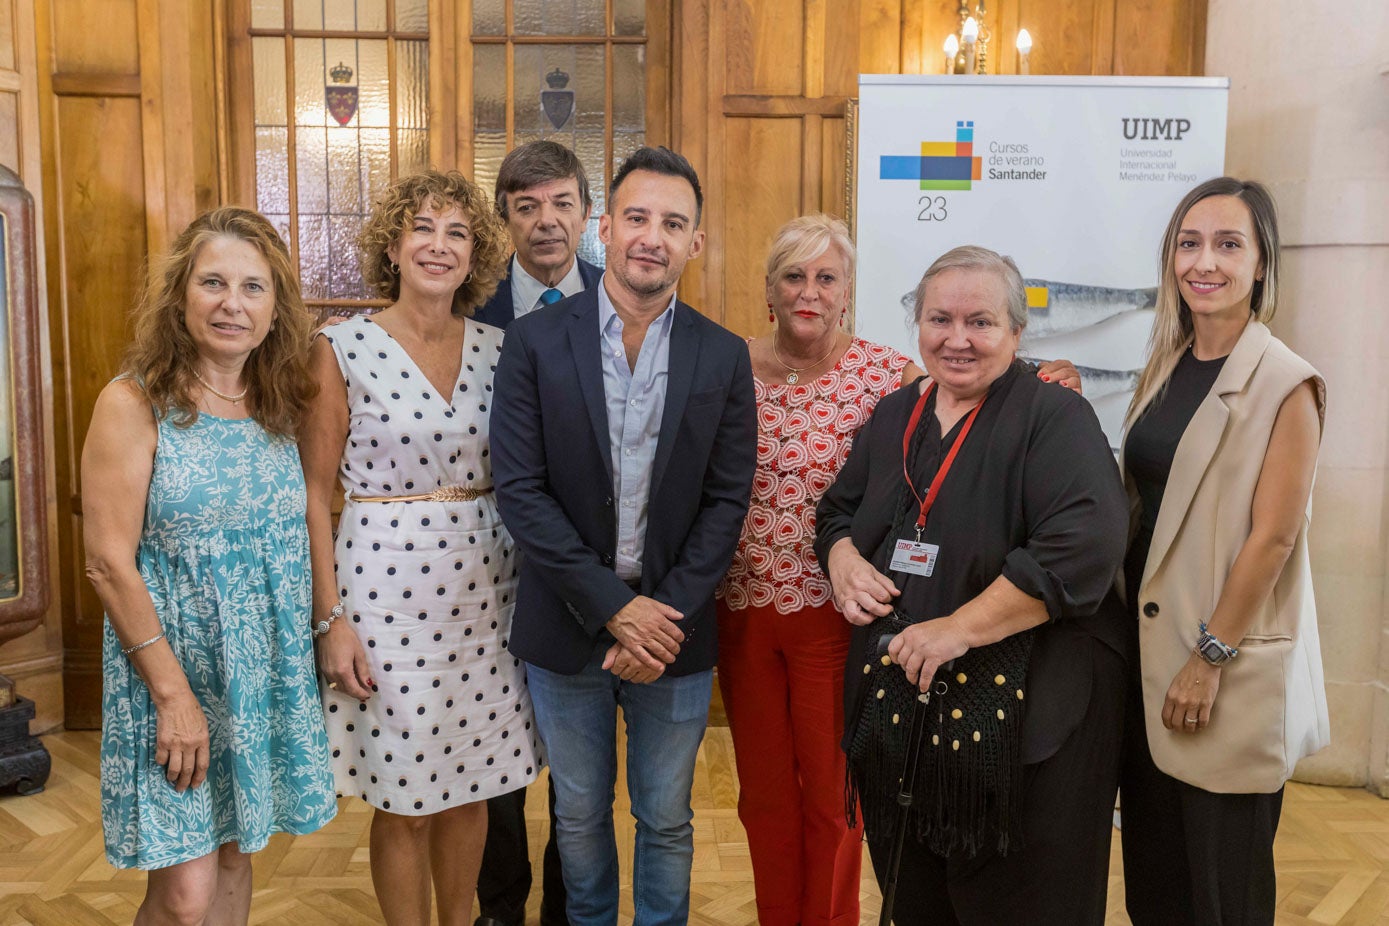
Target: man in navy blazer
point(624, 440)
point(543, 196)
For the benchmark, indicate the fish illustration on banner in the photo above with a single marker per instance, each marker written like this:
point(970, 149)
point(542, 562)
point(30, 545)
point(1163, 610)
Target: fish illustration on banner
point(341, 94)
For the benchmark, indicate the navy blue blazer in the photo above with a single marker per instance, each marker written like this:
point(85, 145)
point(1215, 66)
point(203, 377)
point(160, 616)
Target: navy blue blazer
point(552, 466)
point(500, 310)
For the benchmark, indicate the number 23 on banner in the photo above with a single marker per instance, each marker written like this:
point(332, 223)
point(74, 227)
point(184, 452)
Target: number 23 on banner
point(932, 209)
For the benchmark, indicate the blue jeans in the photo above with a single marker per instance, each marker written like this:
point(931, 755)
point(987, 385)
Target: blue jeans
point(577, 719)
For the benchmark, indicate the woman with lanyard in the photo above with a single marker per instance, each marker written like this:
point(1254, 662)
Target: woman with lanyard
point(976, 529)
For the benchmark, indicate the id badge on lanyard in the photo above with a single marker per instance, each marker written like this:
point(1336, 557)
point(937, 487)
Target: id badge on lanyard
point(915, 557)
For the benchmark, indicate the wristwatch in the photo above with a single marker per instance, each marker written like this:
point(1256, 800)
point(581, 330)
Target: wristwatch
point(1209, 648)
point(322, 626)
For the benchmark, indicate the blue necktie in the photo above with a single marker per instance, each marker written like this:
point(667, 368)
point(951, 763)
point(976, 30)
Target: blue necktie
point(551, 296)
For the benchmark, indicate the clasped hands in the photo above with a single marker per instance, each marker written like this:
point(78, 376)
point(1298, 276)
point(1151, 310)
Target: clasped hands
point(648, 640)
point(862, 594)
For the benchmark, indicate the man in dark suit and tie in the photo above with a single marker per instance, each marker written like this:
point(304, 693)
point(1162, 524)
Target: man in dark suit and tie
point(543, 195)
point(624, 440)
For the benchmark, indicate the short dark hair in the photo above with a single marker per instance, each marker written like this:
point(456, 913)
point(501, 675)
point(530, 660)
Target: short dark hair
point(538, 162)
point(659, 161)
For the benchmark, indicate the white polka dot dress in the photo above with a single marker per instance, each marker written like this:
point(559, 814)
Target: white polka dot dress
point(429, 587)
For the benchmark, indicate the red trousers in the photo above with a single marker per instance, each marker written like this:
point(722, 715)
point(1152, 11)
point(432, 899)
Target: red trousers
point(782, 680)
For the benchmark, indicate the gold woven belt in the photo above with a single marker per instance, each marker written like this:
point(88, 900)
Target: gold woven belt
point(441, 494)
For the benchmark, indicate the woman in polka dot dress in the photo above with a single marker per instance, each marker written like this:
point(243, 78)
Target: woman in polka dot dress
point(427, 712)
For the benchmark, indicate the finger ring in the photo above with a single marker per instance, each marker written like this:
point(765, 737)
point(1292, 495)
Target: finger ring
point(1190, 721)
point(333, 685)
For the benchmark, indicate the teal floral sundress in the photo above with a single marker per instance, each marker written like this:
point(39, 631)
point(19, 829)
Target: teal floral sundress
point(224, 552)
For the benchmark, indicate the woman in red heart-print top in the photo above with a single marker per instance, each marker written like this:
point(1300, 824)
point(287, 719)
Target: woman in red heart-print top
point(782, 644)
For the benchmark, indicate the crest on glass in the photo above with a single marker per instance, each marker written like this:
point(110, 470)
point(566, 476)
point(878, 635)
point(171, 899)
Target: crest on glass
point(341, 94)
point(557, 101)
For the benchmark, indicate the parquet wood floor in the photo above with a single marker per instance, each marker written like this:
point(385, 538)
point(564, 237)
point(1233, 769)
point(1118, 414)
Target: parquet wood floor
point(1333, 856)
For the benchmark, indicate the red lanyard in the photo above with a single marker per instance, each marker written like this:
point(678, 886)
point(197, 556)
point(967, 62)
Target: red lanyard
point(949, 460)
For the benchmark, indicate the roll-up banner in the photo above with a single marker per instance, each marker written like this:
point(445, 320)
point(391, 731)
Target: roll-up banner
point(1074, 177)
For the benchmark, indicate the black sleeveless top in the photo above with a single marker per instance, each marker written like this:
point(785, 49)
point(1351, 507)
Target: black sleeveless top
point(1152, 443)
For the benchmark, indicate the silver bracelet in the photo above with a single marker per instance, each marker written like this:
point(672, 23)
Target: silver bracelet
point(321, 627)
point(139, 646)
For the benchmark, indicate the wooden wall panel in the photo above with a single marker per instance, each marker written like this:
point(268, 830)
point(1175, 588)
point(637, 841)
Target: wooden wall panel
point(832, 170)
point(880, 38)
point(9, 128)
point(1160, 37)
point(1071, 36)
point(100, 188)
point(763, 190)
point(8, 57)
point(95, 37)
point(765, 46)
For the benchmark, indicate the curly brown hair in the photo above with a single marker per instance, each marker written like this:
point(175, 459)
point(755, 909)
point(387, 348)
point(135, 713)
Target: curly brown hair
point(402, 201)
point(161, 354)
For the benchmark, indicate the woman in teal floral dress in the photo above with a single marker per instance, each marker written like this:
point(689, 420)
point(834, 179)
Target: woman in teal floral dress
point(212, 732)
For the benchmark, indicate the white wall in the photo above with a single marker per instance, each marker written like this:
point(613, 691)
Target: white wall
point(1309, 116)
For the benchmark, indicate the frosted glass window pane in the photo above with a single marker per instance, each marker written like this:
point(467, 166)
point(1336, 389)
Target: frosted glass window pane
point(559, 17)
point(489, 17)
point(272, 170)
point(374, 106)
point(412, 84)
point(592, 17)
point(281, 223)
point(413, 15)
point(581, 70)
point(310, 78)
point(339, 14)
point(590, 149)
point(629, 17)
point(308, 14)
point(269, 85)
point(375, 162)
point(371, 15)
point(629, 89)
point(345, 275)
point(488, 150)
point(311, 164)
point(528, 17)
point(590, 248)
point(344, 172)
point(412, 151)
point(489, 88)
point(313, 256)
point(267, 14)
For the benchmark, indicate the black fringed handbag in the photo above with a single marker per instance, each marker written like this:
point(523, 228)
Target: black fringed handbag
point(968, 787)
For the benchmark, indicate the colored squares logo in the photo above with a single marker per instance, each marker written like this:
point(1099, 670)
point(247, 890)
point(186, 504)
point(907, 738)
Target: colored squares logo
point(942, 165)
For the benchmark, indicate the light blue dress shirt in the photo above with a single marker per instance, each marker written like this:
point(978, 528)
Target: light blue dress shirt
point(526, 290)
point(636, 399)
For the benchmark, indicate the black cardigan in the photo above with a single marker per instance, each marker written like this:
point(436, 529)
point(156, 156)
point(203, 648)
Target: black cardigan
point(1034, 495)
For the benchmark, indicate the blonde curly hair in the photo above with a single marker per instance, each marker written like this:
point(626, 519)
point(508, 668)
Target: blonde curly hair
point(161, 356)
point(402, 201)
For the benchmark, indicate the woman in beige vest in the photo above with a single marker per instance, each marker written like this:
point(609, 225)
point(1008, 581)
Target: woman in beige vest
point(1218, 460)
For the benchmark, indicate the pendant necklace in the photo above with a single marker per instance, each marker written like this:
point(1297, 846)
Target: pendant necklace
point(794, 374)
point(233, 399)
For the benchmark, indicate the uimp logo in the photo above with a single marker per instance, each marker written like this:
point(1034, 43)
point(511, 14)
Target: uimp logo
point(942, 165)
